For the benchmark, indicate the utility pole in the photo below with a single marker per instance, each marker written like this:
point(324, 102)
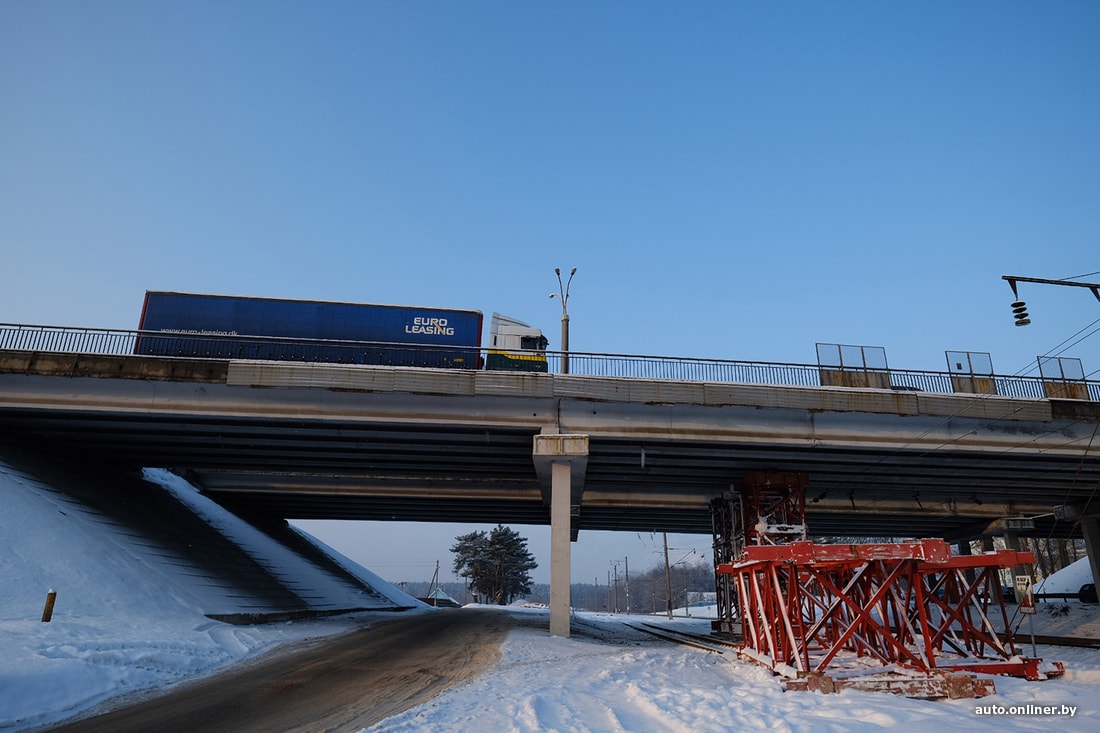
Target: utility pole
point(435, 580)
point(615, 567)
point(668, 579)
point(627, 585)
point(1090, 524)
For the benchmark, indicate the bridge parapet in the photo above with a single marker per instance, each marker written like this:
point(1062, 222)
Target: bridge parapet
point(637, 391)
point(41, 340)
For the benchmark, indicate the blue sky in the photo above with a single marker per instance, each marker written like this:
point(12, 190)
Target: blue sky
point(734, 180)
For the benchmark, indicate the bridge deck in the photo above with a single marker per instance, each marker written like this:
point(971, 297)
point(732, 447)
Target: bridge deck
point(326, 441)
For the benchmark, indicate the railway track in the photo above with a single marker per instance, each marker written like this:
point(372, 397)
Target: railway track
point(696, 641)
point(720, 646)
point(1075, 641)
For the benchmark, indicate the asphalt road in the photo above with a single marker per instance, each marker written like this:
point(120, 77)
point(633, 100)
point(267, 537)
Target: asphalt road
point(342, 684)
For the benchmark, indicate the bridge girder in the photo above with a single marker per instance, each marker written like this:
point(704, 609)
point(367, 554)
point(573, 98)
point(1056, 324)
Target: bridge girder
point(302, 441)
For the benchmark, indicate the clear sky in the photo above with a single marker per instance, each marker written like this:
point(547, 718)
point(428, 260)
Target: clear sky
point(735, 180)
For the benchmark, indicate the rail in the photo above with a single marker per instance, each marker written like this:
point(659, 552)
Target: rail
point(57, 339)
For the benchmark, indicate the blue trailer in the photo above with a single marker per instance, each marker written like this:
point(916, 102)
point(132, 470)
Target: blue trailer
point(234, 327)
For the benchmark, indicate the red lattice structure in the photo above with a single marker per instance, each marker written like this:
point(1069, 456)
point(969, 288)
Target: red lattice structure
point(908, 617)
point(773, 508)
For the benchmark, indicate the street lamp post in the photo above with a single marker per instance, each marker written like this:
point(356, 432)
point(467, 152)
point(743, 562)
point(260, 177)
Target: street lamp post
point(563, 293)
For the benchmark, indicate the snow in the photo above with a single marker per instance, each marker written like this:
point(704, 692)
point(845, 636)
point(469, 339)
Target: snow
point(1067, 580)
point(280, 560)
point(607, 677)
point(125, 620)
point(127, 623)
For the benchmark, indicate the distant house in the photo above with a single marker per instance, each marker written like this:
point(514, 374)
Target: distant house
point(440, 599)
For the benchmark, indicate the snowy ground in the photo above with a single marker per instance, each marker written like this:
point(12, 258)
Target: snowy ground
point(120, 628)
point(608, 678)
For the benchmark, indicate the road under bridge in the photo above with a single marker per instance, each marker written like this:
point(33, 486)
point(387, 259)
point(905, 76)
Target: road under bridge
point(313, 441)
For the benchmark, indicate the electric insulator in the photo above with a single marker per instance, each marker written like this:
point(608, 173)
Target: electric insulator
point(1019, 312)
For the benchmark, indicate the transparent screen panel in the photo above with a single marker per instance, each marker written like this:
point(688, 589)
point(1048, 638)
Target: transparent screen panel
point(1062, 368)
point(852, 357)
point(828, 355)
point(970, 363)
point(843, 356)
point(874, 357)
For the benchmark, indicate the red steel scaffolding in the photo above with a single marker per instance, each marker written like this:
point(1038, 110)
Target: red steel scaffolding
point(907, 617)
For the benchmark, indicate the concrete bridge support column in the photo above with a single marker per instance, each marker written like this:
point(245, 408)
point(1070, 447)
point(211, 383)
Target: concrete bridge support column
point(1090, 526)
point(560, 551)
point(561, 459)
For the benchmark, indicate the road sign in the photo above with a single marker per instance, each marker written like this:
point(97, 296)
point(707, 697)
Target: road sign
point(1024, 594)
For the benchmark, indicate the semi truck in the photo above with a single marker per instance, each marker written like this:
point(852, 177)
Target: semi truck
point(282, 329)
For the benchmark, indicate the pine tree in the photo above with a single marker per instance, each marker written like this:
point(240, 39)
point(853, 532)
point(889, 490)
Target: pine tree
point(495, 564)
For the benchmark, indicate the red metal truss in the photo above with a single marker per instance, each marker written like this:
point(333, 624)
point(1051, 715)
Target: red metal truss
point(773, 508)
point(805, 608)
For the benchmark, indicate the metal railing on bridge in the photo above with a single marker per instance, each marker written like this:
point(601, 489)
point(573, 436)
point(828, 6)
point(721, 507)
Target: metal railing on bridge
point(800, 375)
point(66, 340)
point(231, 346)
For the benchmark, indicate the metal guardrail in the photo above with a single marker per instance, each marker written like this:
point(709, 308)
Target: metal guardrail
point(685, 369)
point(67, 340)
point(209, 345)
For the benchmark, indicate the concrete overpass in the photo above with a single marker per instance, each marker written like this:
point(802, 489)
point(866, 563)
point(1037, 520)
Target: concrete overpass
point(391, 443)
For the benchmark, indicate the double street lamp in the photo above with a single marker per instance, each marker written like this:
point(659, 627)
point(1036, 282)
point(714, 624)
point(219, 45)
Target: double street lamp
point(563, 293)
